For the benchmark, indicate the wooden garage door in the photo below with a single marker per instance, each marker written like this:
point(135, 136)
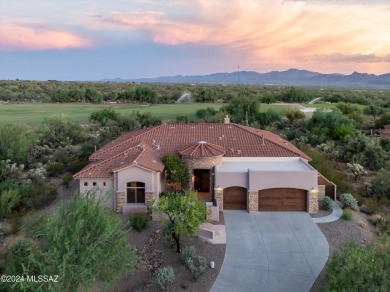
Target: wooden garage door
point(282, 199)
point(234, 198)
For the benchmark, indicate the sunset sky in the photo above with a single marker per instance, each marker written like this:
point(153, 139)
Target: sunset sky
point(92, 40)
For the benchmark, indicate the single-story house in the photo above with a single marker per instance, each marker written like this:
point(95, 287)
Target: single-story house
point(236, 167)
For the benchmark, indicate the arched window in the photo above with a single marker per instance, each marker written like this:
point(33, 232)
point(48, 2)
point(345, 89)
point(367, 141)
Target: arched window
point(135, 192)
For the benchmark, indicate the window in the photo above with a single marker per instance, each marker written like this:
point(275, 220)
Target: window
point(104, 184)
point(94, 183)
point(135, 192)
point(85, 183)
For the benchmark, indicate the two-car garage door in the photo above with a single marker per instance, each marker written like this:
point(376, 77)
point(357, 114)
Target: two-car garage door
point(282, 199)
point(279, 199)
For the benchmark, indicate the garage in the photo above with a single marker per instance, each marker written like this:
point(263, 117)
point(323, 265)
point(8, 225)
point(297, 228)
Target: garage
point(282, 199)
point(235, 198)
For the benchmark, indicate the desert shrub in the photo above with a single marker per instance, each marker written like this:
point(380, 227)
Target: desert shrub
point(8, 200)
point(383, 225)
point(163, 277)
point(139, 221)
point(67, 179)
point(76, 165)
point(360, 268)
point(167, 234)
point(188, 253)
point(56, 168)
point(21, 256)
point(196, 264)
point(349, 201)
point(42, 194)
point(347, 214)
point(327, 204)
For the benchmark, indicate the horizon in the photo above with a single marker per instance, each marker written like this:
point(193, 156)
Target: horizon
point(95, 40)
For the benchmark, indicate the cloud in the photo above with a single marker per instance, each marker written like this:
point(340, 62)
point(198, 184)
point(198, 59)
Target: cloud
point(269, 32)
point(357, 58)
point(24, 34)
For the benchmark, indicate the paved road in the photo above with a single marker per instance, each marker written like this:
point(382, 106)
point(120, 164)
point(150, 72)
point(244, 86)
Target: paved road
point(271, 251)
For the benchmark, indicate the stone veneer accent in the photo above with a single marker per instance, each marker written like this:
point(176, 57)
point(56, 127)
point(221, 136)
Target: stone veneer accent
point(218, 194)
point(149, 199)
point(120, 201)
point(209, 213)
point(313, 203)
point(321, 192)
point(200, 163)
point(253, 202)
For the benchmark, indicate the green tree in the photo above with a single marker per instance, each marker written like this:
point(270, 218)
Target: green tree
point(383, 120)
point(351, 111)
point(57, 130)
point(16, 141)
point(185, 212)
point(373, 110)
point(176, 170)
point(93, 95)
point(294, 114)
point(268, 117)
point(242, 109)
point(86, 244)
point(103, 116)
point(360, 268)
point(380, 185)
point(334, 125)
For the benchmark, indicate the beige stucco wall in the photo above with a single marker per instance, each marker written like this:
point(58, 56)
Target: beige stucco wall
point(134, 173)
point(259, 180)
point(101, 191)
point(231, 179)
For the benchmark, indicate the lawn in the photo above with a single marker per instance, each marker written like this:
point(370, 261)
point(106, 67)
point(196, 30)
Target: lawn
point(34, 113)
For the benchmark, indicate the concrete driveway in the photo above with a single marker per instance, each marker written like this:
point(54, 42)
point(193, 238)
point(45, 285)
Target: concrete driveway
point(271, 251)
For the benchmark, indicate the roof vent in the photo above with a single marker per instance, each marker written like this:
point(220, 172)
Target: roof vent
point(202, 142)
point(238, 151)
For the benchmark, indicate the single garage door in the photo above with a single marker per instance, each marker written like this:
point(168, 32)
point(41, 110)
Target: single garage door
point(282, 199)
point(234, 198)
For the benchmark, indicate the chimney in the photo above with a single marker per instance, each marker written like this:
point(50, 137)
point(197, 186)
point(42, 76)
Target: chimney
point(262, 138)
point(226, 120)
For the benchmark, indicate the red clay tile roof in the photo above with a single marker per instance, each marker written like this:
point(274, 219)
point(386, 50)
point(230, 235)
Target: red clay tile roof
point(140, 155)
point(230, 140)
point(387, 127)
point(203, 149)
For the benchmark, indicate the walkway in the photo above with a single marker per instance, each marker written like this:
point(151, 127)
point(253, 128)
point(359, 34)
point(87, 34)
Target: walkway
point(336, 215)
point(271, 251)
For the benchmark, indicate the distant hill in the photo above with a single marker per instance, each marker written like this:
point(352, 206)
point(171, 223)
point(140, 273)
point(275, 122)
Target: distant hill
point(289, 77)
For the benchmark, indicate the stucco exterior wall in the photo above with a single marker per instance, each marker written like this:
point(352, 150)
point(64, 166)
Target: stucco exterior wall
point(135, 173)
point(259, 180)
point(105, 192)
point(231, 179)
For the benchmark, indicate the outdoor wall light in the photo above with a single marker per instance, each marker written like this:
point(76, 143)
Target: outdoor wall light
point(313, 191)
point(218, 188)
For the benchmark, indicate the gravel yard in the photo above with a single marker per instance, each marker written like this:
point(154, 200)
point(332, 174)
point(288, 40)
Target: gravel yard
point(141, 279)
point(359, 229)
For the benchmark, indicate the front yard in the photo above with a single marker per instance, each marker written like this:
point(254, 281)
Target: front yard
point(141, 279)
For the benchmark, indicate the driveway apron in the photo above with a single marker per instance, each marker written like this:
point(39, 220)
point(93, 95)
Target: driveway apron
point(271, 251)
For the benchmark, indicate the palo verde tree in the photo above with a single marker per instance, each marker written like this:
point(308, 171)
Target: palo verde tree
point(176, 170)
point(185, 212)
point(103, 116)
point(85, 245)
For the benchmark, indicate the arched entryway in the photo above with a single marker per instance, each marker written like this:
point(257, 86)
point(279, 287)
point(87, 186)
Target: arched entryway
point(235, 198)
point(135, 192)
point(283, 199)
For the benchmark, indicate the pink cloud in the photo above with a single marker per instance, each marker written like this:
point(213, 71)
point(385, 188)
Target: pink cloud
point(18, 35)
point(282, 33)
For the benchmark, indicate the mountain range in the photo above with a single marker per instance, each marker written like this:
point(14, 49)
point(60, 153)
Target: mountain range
point(289, 77)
